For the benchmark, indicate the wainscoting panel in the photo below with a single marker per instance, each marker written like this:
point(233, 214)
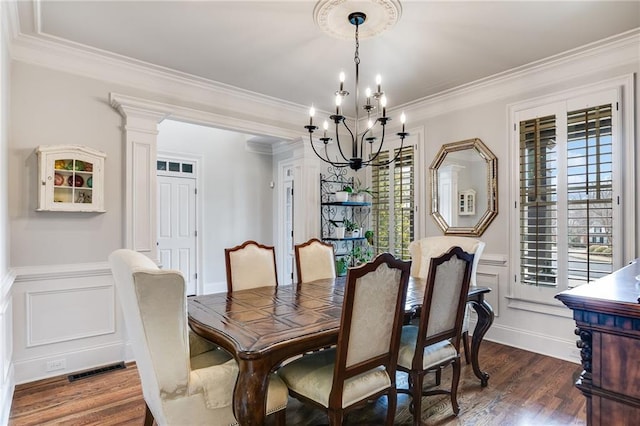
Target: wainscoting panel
point(68, 314)
point(66, 319)
point(7, 381)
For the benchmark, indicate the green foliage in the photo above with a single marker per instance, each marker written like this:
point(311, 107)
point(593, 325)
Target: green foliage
point(349, 225)
point(342, 263)
point(359, 189)
point(362, 254)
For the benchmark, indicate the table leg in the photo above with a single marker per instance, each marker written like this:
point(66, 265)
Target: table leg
point(485, 319)
point(250, 393)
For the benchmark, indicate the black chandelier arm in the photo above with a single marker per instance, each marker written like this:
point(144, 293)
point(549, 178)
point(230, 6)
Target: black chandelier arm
point(398, 154)
point(373, 158)
point(326, 159)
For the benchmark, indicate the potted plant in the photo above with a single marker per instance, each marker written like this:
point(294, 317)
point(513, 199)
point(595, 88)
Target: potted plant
point(359, 190)
point(343, 196)
point(342, 264)
point(352, 230)
point(369, 236)
point(362, 254)
point(339, 227)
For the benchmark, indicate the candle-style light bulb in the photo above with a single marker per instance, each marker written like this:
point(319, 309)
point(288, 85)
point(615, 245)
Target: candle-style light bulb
point(383, 103)
point(342, 81)
point(370, 124)
point(312, 112)
point(368, 95)
point(325, 126)
point(379, 82)
point(403, 118)
point(338, 103)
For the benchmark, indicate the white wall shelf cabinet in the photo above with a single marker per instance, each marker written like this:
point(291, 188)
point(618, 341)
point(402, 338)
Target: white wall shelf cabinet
point(70, 178)
point(467, 202)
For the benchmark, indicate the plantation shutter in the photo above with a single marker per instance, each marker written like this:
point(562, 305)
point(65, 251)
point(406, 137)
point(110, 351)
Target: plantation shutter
point(590, 193)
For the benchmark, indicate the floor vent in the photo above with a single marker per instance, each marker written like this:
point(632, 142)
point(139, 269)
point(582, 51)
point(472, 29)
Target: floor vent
point(96, 371)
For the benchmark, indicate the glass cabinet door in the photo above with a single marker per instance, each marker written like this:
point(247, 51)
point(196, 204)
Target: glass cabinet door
point(71, 179)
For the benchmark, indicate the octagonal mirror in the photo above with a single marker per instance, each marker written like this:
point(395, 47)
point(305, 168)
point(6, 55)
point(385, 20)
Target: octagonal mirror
point(464, 188)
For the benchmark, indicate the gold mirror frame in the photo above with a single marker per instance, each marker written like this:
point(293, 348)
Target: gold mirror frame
point(491, 187)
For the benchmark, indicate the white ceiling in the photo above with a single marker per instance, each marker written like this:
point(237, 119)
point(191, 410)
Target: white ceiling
point(276, 49)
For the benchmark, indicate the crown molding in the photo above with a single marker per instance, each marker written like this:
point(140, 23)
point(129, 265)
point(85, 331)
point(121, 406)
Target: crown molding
point(616, 51)
point(218, 98)
point(229, 106)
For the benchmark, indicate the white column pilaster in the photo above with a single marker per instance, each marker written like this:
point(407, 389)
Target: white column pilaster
point(140, 132)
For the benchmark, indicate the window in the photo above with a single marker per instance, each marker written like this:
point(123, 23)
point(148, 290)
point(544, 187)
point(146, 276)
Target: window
point(567, 201)
point(393, 188)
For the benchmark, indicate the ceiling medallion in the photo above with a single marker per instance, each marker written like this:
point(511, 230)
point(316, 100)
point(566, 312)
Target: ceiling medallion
point(381, 15)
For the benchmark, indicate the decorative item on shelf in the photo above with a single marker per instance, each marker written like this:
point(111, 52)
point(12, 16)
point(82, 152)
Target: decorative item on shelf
point(343, 196)
point(79, 166)
point(339, 228)
point(369, 236)
point(356, 155)
point(359, 191)
point(60, 165)
point(342, 263)
point(75, 180)
point(88, 167)
point(90, 182)
point(58, 179)
point(352, 229)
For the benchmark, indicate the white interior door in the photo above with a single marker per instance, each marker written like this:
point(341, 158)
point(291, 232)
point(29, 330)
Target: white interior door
point(177, 227)
point(288, 231)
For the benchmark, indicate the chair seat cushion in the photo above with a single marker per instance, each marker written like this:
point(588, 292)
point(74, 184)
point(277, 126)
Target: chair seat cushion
point(209, 358)
point(433, 355)
point(312, 376)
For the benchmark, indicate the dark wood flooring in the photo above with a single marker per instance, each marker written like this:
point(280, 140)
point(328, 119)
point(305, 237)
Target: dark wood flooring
point(524, 389)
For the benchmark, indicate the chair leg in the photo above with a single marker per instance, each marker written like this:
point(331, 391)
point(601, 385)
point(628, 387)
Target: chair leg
point(335, 417)
point(280, 417)
point(467, 351)
point(454, 386)
point(416, 398)
point(438, 376)
point(392, 402)
point(148, 417)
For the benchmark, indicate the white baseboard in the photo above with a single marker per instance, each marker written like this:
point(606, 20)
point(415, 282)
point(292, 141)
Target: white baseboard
point(30, 370)
point(6, 397)
point(216, 287)
point(538, 343)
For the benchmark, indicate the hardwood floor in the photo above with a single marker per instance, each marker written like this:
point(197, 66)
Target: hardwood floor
point(524, 389)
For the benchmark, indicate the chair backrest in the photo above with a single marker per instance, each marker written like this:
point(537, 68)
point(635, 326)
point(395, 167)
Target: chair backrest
point(445, 298)
point(153, 303)
point(371, 323)
point(250, 265)
point(314, 261)
point(429, 247)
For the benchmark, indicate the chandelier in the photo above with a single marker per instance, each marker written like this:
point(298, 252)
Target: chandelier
point(365, 147)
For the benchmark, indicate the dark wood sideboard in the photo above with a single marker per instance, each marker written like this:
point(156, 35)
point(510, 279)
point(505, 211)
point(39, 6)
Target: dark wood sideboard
point(607, 315)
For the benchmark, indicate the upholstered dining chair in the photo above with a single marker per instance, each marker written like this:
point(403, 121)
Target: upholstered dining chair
point(185, 379)
point(426, 248)
point(435, 342)
point(250, 265)
point(362, 366)
point(314, 261)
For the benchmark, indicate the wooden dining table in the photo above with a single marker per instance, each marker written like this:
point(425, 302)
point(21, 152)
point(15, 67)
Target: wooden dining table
point(262, 327)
